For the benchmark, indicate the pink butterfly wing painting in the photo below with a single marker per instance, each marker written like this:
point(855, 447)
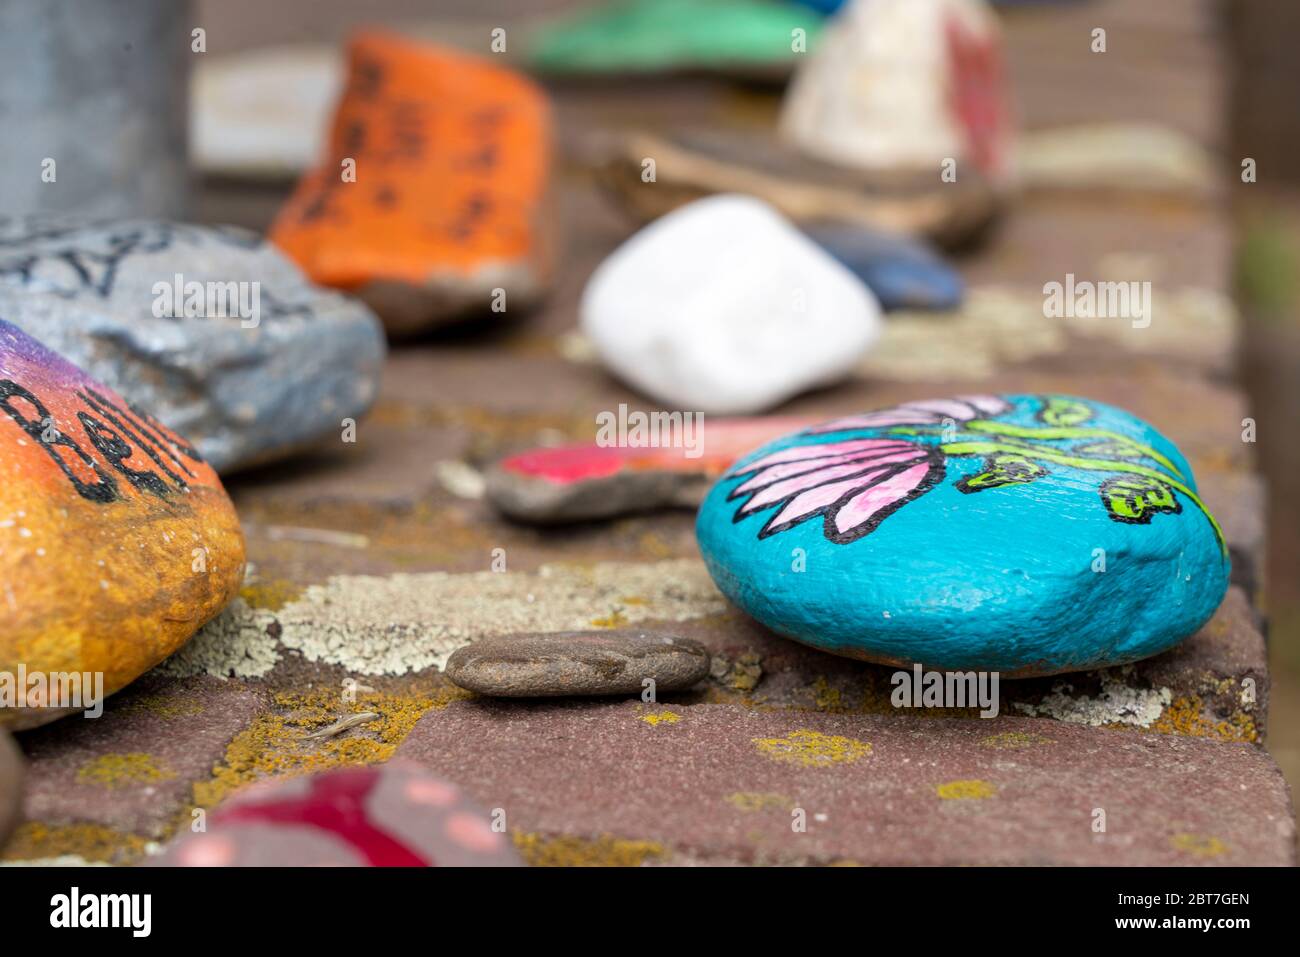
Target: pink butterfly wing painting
point(853, 485)
point(923, 412)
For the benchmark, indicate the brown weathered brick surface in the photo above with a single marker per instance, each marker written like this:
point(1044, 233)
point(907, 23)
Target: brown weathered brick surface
point(133, 769)
point(722, 783)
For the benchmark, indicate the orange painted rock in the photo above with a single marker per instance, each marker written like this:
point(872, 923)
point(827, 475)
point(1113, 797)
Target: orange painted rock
point(431, 203)
point(117, 541)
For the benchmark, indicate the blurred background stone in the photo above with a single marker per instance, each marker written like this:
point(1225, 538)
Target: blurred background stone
point(101, 88)
point(213, 330)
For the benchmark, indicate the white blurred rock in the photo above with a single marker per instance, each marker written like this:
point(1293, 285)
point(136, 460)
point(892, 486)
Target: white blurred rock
point(905, 85)
point(723, 307)
point(263, 113)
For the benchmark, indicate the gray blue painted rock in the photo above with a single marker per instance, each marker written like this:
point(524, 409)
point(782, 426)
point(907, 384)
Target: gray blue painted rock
point(137, 304)
point(902, 272)
point(1024, 534)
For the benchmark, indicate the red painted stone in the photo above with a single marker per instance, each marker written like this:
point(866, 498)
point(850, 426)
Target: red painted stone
point(586, 480)
point(391, 815)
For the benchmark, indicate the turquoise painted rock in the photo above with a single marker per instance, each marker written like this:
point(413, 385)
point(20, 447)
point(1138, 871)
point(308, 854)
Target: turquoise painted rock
point(1024, 534)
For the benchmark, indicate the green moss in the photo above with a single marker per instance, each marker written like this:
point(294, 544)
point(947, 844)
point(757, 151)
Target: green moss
point(1267, 266)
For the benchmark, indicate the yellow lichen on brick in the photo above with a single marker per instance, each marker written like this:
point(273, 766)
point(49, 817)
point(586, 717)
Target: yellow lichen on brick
point(751, 801)
point(92, 842)
point(616, 619)
point(827, 698)
point(745, 672)
point(661, 717)
point(566, 851)
point(271, 595)
point(123, 770)
point(966, 790)
point(1014, 740)
point(276, 745)
point(1198, 845)
point(813, 749)
point(1186, 716)
point(712, 694)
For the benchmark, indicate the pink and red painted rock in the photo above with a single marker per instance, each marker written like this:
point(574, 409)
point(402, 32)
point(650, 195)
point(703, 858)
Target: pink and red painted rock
point(117, 541)
point(573, 483)
point(390, 815)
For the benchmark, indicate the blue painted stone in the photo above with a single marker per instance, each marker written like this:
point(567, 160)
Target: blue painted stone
point(903, 273)
point(822, 6)
point(1024, 534)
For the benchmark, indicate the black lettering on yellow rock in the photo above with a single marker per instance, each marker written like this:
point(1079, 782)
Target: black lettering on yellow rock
point(102, 491)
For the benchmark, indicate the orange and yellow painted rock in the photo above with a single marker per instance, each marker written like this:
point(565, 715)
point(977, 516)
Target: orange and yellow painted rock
point(117, 542)
point(431, 202)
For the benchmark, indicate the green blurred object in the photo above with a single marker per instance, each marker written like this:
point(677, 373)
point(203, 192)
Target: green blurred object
point(1267, 263)
point(646, 36)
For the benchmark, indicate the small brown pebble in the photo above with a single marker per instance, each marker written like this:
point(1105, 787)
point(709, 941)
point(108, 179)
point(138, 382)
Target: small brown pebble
point(578, 663)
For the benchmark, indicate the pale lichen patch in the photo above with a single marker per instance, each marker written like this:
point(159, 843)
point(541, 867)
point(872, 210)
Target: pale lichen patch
point(1117, 703)
point(237, 643)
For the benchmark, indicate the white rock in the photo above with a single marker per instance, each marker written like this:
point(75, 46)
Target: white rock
point(723, 307)
point(905, 85)
point(263, 113)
